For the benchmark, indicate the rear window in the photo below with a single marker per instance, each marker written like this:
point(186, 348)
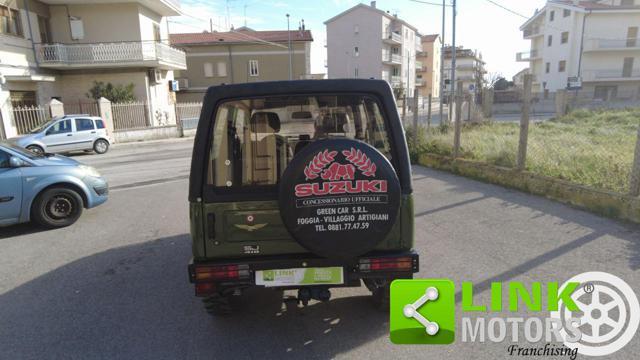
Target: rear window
point(99, 124)
point(84, 124)
point(255, 139)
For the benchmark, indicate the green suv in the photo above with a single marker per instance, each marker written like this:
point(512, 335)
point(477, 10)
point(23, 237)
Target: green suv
point(300, 185)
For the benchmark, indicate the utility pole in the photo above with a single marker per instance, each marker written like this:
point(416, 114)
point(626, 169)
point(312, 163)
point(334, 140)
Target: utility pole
point(290, 60)
point(408, 72)
point(453, 53)
point(210, 25)
point(444, 15)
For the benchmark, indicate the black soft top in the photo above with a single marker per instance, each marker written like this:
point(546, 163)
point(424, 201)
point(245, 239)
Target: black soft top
point(215, 95)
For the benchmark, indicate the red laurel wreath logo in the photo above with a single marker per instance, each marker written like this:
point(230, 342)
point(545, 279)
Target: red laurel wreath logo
point(318, 163)
point(361, 161)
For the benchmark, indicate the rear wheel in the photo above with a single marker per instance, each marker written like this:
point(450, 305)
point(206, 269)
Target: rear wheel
point(57, 207)
point(380, 292)
point(218, 304)
point(101, 146)
point(36, 149)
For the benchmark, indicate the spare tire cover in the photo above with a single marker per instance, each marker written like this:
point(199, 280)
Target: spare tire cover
point(339, 198)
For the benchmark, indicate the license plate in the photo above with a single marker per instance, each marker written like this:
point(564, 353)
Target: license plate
point(300, 276)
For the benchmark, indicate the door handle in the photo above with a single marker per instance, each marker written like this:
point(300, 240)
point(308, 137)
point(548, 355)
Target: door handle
point(93, 132)
point(6, 199)
point(69, 134)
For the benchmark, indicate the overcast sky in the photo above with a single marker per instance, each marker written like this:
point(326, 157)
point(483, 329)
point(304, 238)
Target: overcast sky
point(481, 25)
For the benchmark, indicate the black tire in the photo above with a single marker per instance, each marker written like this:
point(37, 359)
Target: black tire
point(217, 304)
point(380, 292)
point(57, 207)
point(36, 149)
point(101, 146)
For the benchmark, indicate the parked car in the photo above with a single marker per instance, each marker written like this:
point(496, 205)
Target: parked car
point(66, 134)
point(51, 190)
point(321, 208)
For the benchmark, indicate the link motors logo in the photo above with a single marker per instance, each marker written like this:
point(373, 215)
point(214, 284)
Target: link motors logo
point(340, 178)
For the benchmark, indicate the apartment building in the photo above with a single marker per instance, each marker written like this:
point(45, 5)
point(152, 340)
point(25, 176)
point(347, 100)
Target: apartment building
point(56, 49)
point(592, 43)
point(367, 42)
point(240, 56)
point(428, 66)
point(470, 69)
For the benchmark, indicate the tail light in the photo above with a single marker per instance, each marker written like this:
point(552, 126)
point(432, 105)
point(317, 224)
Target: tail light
point(386, 264)
point(216, 273)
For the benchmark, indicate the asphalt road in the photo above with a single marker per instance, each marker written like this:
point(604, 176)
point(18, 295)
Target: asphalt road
point(115, 284)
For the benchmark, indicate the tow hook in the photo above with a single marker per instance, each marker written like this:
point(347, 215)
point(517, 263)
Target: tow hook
point(319, 293)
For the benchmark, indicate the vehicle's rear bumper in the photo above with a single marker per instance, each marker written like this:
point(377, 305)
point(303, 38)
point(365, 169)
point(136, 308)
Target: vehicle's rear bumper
point(241, 272)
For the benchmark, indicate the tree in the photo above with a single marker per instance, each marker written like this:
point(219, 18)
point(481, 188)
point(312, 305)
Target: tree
point(502, 84)
point(115, 93)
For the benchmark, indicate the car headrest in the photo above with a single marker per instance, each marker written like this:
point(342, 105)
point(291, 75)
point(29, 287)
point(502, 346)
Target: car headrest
point(263, 118)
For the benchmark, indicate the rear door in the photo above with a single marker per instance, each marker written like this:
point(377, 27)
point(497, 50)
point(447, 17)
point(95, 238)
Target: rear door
point(59, 137)
point(101, 130)
point(10, 190)
point(253, 142)
point(85, 134)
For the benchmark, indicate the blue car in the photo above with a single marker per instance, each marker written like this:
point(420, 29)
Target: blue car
point(51, 190)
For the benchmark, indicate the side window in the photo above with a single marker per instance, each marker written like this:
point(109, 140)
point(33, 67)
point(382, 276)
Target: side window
point(4, 160)
point(61, 127)
point(99, 124)
point(84, 125)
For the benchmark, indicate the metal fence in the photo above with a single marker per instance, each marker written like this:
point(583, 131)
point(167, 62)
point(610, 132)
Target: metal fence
point(82, 107)
point(28, 117)
point(592, 145)
point(131, 115)
point(187, 114)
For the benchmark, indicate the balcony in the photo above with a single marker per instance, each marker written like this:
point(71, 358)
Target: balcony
point(109, 55)
point(632, 44)
point(390, 58)
point(418, 44)
point(527, 56)
point(419, 66)
point(392, 37)
point(532, 32)
point(611, 75)
point(396, 80)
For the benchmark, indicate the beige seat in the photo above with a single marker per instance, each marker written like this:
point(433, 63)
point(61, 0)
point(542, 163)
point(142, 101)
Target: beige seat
point(267, 161)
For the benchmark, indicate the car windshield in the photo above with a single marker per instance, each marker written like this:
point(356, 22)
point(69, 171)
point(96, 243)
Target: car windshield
point(43, 126)
point(24, 152)
point(255, 139)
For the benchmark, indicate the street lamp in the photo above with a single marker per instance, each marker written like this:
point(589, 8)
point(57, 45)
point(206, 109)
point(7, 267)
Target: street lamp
point(290, 60)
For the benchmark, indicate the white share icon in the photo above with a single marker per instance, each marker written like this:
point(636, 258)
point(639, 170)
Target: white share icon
point(411, 310)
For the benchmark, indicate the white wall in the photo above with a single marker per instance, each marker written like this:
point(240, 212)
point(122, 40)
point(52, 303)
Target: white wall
point(342, 39)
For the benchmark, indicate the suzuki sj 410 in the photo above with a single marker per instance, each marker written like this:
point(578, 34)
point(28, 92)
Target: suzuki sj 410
point(300, 185)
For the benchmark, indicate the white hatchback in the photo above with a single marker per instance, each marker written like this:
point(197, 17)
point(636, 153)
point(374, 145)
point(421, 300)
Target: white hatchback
point(65, 134)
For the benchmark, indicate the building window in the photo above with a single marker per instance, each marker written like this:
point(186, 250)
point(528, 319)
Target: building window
point(156, 33)
point(44, 28)
point(208, 70)
point(564, 38)
point(549, 40)
point(22, 98)
point(396, 71)
point(10, 21)
point(356, 29)
point(222, 69)
point(566, 13)
point(552, 15)
point(547, 68)
point(355, 72)
point(253, 68)
point(562, 66)
point(356, 52)
point(406, 33)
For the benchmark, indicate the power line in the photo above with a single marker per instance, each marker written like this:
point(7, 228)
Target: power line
point(507, 9)
point(429, 3)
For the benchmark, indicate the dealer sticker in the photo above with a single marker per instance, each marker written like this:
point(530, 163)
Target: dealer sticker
point(300, 276)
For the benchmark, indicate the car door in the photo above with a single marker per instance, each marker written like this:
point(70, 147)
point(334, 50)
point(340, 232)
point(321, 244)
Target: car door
point(10, 190)
point(59, 137)
point(85, 134)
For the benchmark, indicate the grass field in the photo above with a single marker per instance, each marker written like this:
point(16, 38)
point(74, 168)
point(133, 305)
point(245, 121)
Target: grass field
point(593, 148)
